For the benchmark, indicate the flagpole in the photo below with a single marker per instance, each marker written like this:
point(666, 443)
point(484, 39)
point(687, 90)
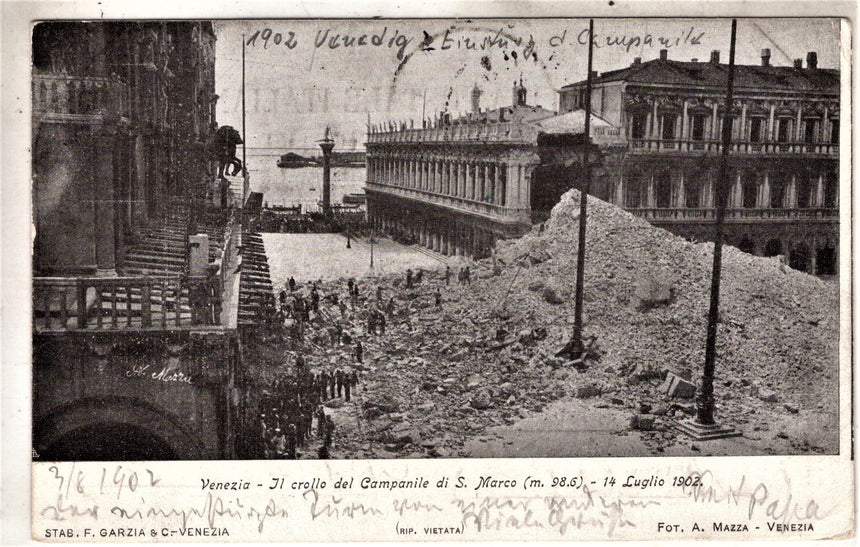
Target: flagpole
point(244, 133)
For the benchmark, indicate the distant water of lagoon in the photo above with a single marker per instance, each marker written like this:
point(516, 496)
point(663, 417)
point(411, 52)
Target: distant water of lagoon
point(302, 185)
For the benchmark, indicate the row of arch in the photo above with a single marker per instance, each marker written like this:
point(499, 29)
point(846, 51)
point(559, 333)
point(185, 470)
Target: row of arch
point(810, 257)
point(72, 97)
point(668, 188)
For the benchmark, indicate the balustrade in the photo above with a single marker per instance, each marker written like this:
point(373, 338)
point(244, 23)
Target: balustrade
point(471, 132)
point(683, 214)
point(737, 147)
point(453, 202)
point(82, 96)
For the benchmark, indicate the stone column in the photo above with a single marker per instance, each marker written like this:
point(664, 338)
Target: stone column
point(497, 185)
point(735, 193)
point(511, 186)
point(791, 193)
point(680, 198)
point(798, 131)
point(501, 184)
point(770, 126)
point(527, 186)
point(819, 192)
point(650, 193)
point(715, 123)
point(618, 194)
point(461, 176)
point(685, 123)
point(103, 203)
point(487, 187)
point(764, 194)
point(654, 129)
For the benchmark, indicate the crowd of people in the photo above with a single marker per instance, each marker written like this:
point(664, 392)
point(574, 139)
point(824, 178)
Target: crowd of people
point(293, 411)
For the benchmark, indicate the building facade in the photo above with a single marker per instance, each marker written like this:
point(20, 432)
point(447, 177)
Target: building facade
point(784, 157)
point(456, 185)
point(136, 283)
point(122, 114)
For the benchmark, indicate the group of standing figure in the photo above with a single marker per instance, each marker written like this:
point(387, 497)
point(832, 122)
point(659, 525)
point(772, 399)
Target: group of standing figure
point(290, 412)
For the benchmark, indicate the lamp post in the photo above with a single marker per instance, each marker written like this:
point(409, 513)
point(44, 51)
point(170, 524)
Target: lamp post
point(705, 427)
point(574, 348)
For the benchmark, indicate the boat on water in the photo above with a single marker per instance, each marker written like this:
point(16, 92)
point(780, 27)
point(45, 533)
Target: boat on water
point(294, 161)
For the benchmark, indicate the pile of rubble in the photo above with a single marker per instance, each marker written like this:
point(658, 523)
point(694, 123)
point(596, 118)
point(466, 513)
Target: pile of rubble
point(440, 376)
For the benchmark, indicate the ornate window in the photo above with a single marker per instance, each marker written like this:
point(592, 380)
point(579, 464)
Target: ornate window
point(755, 129)
point(634, 191)
point(809, 130)
point(783, 129)
point(777, 194)
point(697, 132)
point(692, 192)
point(638, 125)
point(663, 189)
point(668, 130)
point(750, 192)
point(834, 131)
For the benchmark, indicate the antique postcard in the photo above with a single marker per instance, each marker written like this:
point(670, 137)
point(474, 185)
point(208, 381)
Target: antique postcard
point(510, 277)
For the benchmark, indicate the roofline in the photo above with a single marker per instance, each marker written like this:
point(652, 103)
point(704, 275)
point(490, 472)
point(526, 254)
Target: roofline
point(833, 71)
point(711, 88)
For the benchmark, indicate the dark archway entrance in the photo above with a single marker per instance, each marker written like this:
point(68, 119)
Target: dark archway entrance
point(773, 248)
point(799, 259)
point(825, 261)
point(108, 442)
point(747, 245)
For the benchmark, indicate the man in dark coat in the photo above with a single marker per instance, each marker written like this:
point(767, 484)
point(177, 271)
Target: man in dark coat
point(346, 386)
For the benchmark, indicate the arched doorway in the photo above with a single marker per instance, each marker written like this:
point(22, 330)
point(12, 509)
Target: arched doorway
point(799, 258)
point(746, 245)
point(117, 428)
point(108, 442)
point(773, 248)
point(825, 261)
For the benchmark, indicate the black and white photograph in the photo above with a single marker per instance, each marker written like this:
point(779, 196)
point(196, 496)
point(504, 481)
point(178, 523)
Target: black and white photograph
point(374, 239)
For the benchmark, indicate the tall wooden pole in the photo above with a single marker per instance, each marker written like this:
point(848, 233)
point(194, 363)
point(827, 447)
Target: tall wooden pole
point(244, 133)
point(705, 403)
point(576, 344)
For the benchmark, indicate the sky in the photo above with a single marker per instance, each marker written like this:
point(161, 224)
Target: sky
point(304, 75)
